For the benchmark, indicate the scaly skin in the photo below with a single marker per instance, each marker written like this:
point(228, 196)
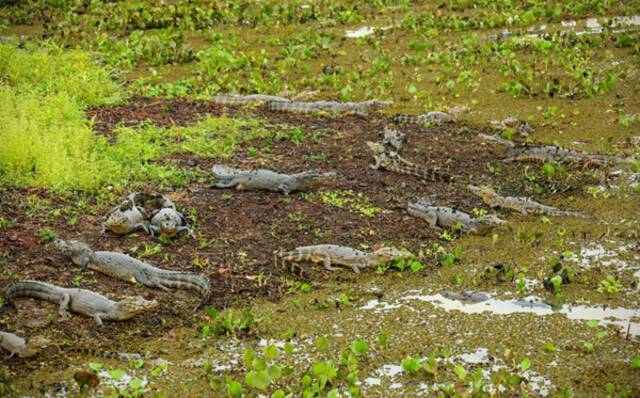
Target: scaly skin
point(18, 346)
point(393, 162)
point(394, 138)
point(235, 99)
point(358, 108)
point(551, 153)
point(521, 204)
point(510, 122)
point(168, 222)
point(447, 217)
point(341, 255)
point(127, 268)
point(126, 218)
point(268, 180)
point(436, 118)
point(81, 301)
point(472, 296)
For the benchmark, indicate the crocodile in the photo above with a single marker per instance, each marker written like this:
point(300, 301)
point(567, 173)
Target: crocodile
point(394, 138)
point(81, 301)
point(471, 296)
point(447, 217)
point(393, 162)
point(341, 255)
point(168, 222)
point(236, 99)
point(335, 107)
point(521, 128)
point(127, 268)
point(262, 179)
point(126, 218)
point(16, 345)
point(522, 204)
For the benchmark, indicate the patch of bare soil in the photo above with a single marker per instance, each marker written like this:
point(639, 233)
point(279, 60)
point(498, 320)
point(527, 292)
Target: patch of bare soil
point(238, 231)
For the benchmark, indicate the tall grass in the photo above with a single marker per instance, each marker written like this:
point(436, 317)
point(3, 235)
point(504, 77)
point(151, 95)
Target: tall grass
point(46, 140)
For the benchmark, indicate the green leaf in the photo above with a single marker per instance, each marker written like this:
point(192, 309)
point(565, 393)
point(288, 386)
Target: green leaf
point(360, 348)
point(411, 365)
point(635, 363)
point(525, 364)
point(460, 371)
point(234, 389)
point(592, 323)
point(382, 339)
point(322, 343)
point(548, 346)
point(259, 380)
point(116, 374)
point(274, 371)
point(95, 366)
point(277, 394)
point(135, 384)
point(271, 352)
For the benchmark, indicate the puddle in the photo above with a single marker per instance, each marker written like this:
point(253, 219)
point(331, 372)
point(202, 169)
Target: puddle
point(363, 31)
point(620, 317)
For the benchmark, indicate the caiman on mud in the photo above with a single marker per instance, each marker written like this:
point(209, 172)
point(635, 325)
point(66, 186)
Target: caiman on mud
point(261, 179)
point(341, 255)
point(80, 301)
point(127, 268)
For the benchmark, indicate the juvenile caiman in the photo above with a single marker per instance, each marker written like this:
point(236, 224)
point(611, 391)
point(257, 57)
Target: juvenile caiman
point(341, 255)
point(127, 268)
point(261, 179)
point(80, 301)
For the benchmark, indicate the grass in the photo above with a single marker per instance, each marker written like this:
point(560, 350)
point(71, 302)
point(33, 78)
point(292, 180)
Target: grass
point(47, 141)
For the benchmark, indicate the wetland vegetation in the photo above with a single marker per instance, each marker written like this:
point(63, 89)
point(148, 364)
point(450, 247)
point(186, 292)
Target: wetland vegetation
point(103, 98)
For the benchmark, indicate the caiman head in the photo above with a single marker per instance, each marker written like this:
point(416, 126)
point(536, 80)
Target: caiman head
point(386, 254)
point(78, 251)
point(487, 194)
point(169, 223)
point(131, 306)
point(376, 147)
point(118, 222)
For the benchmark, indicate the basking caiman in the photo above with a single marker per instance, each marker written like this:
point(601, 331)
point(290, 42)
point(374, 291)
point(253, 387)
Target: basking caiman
point(446, 217)
point(341, 255)
point(127, 268)
point(80, 301)
point(261, 179)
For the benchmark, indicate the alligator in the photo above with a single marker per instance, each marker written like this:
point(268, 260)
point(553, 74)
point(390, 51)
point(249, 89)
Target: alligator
point(447, 217)
point(358, 108)
point(393, 162)
point(471, 296)
point(126, 218)
point(394, 138)
point(522, 204)
point(261, 179)
point(81, 301)
point(127, 268)
point(16, 345)
point(341, 255)
point(521, 128)
point(168, 222)
point(236, 99)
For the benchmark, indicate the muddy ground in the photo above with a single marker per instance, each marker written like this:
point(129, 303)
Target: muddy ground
point(238, 231)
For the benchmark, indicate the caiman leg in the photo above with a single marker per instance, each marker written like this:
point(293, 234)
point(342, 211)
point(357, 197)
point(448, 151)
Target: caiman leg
point(282, 188)
point(327, 263)
point(64, 304)
point(98, 318)
point(228, 184)
point(142, 227)
point(185, 228)
point(376, 164)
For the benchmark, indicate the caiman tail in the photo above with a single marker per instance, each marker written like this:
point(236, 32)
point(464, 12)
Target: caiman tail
point(32, 289)
point(188, 280)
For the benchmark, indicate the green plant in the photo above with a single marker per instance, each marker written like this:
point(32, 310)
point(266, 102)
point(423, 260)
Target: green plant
point(609, 285)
